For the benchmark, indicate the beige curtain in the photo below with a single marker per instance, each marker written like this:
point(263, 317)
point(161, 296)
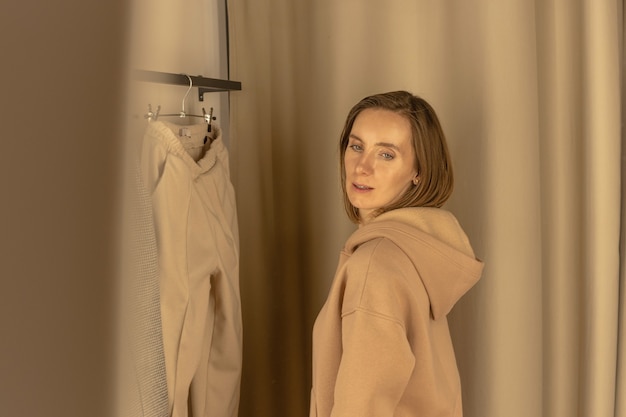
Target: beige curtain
point(530, 99)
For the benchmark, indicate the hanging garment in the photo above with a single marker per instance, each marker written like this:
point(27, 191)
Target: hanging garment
point(143, 384)
point(198, 248)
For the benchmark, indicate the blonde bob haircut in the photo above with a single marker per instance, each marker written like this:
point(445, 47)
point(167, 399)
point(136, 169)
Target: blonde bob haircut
point(433, 164)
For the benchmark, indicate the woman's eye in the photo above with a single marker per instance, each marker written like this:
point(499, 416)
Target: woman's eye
point(356, 147)
point(386, 155)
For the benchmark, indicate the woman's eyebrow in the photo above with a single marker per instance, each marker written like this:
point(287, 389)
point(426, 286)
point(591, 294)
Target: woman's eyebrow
point(384, 144)
point(387, 145)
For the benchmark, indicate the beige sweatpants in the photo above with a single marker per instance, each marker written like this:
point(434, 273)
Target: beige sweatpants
point(198, 250)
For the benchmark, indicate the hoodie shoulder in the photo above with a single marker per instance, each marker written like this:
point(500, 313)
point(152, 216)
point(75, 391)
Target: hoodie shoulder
point(380, 279)
point(437, 247)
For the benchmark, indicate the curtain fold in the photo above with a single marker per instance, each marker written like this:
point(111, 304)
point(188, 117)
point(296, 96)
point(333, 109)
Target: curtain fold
point(528, 97)
point(266, 178)
point(580, 119)
point(620, 389)
point(601, 130)
point(563, 251)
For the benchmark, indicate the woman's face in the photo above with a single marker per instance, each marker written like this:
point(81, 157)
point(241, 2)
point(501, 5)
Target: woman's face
point(379, 160)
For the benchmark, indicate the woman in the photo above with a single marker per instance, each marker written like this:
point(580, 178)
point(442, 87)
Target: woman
point(381, 344)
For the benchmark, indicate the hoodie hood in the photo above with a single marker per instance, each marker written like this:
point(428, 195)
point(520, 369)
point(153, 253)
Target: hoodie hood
point(436, 245)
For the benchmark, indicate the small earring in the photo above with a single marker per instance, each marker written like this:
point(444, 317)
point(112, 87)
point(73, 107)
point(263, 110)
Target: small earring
point(416, 181)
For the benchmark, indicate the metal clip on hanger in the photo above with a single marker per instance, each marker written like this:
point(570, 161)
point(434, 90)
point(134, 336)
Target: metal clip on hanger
point(152, 115)
point(208, 118)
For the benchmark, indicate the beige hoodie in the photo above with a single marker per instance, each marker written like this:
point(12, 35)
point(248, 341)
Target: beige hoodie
point(381, 344)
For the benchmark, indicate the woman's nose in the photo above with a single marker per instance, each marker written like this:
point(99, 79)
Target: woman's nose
point(364, 165)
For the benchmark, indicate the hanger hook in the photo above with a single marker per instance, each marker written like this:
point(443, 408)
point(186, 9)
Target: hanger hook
point(182, 113)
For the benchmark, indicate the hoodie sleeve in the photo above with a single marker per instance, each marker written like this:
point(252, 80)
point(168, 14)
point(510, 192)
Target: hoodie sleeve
point(375, 366)
point(377, 360)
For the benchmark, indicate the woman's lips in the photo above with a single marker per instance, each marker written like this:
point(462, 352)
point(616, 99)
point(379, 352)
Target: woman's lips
point(361, 187)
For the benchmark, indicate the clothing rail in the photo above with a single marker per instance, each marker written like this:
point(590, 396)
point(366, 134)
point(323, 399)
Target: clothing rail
point(204, 84)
